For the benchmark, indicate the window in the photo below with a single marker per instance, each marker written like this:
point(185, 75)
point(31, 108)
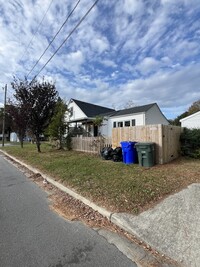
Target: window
point(120, 124)
point(71, 112)
point(114, 124)
point(133, 122)
point(127, 123)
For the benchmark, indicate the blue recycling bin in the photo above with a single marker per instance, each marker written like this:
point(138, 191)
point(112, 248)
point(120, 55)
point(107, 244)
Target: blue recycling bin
point(129, 152)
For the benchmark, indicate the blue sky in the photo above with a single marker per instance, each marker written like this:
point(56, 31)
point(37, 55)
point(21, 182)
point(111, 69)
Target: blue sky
point(125, 51)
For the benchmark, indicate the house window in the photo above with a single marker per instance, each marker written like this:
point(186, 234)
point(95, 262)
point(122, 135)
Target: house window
point(133, 122)
point(120, 124)
point(71, 112)
point(114, 124)
point(127, 123)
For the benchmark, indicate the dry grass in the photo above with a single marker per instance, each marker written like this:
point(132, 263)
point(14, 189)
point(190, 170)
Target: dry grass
point(116, 186)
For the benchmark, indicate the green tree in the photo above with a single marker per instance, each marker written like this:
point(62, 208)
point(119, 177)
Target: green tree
point(98, 121)
point(57, 126)
point(176, 121)
point(195, 107)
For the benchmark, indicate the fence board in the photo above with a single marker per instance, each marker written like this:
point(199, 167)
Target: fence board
point(90, 144)
point(165, 137)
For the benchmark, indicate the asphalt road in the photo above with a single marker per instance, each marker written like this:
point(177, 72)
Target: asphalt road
point(33, 235)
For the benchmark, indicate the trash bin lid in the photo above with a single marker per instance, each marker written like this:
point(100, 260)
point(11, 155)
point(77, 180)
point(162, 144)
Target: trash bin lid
point(148, 146)
point(145, 144)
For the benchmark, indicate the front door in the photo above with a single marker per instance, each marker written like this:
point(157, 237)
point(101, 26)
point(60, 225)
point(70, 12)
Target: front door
point(95, 130)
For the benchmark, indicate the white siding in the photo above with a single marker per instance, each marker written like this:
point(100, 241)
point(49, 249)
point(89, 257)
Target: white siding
point(77, 112)
point(155, 116)
point(106, 129)
point(192, 121)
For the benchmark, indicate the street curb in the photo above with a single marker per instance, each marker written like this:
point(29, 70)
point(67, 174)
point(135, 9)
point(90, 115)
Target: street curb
point(143, 258)
point(63, 188)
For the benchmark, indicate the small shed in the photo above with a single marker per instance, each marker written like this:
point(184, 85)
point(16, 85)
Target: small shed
point(13, 137)
point(192, 121)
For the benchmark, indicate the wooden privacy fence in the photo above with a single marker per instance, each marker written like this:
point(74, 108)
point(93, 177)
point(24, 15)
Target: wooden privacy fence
point(90, 144)
point(165, 137)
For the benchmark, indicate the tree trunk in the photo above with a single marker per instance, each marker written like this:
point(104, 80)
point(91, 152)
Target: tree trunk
point(38, 143)
point(22, 144)
point(21, 141)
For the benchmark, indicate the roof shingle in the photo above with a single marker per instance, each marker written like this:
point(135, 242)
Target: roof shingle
point(92, 110)
point(133, 110)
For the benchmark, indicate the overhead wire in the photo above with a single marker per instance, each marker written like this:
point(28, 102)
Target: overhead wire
point(68, 36)
point(34, 34)
point(54, 37)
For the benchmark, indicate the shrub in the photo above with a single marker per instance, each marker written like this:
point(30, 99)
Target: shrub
point(190, 142)
point(68, 142)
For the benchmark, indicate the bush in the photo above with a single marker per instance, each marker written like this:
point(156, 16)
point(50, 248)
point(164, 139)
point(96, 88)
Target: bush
point(68, 142)
point(190, 142)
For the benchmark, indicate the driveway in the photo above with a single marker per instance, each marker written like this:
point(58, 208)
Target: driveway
point(172, 227)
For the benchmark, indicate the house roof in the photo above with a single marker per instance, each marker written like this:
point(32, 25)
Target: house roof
point(190, 116)
point(132, 110)
point(91, 110)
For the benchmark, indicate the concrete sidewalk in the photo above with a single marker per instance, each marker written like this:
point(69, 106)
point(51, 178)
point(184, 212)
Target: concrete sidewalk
point(172, 227)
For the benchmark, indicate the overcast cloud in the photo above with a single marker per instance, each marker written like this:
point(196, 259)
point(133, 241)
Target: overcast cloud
point(126, 50)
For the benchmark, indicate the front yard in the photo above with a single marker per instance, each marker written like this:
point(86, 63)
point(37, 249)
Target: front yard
point(116, 186)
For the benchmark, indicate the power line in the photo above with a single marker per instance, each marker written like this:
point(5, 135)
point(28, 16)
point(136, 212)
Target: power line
point(77, 25)
point(54, 37)
point(26, 49)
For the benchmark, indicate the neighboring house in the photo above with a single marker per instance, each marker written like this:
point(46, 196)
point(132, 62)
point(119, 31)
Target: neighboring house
point(192, 121)
point(81, 115)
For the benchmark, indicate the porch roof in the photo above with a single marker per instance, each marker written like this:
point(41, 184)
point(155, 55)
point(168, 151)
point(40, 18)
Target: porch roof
point(85, 119)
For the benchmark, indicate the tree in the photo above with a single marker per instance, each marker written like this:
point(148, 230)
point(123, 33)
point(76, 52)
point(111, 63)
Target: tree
point(129, 104)
point(19, 116)
point(8, 123)
point(57, 126)
point(39, 101)
point(43, 98)
point(176, 121)
point(98, 122)
point(19, 109)
point(195, 107)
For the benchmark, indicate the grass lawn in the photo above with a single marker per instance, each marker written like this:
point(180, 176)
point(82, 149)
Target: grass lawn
point(116, 186)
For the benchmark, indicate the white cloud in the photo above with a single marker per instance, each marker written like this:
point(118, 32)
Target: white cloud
point(74, 61)
point(146, 51)
point(99, 44)
point(132, 7)
point(148, 65)
point(109, 63)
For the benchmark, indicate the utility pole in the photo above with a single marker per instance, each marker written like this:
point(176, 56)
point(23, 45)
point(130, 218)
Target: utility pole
point(4, 116)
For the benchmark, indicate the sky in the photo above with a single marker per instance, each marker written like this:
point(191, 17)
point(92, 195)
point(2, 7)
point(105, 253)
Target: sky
point(124, 52)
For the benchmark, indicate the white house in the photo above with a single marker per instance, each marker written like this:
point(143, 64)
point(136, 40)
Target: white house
point(192, 121)
point(81, 117)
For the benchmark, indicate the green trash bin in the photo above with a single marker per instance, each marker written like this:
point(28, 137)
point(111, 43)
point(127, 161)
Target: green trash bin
point(146, 153)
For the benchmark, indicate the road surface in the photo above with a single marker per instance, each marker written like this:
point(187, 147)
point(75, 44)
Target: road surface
point(32, 235)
